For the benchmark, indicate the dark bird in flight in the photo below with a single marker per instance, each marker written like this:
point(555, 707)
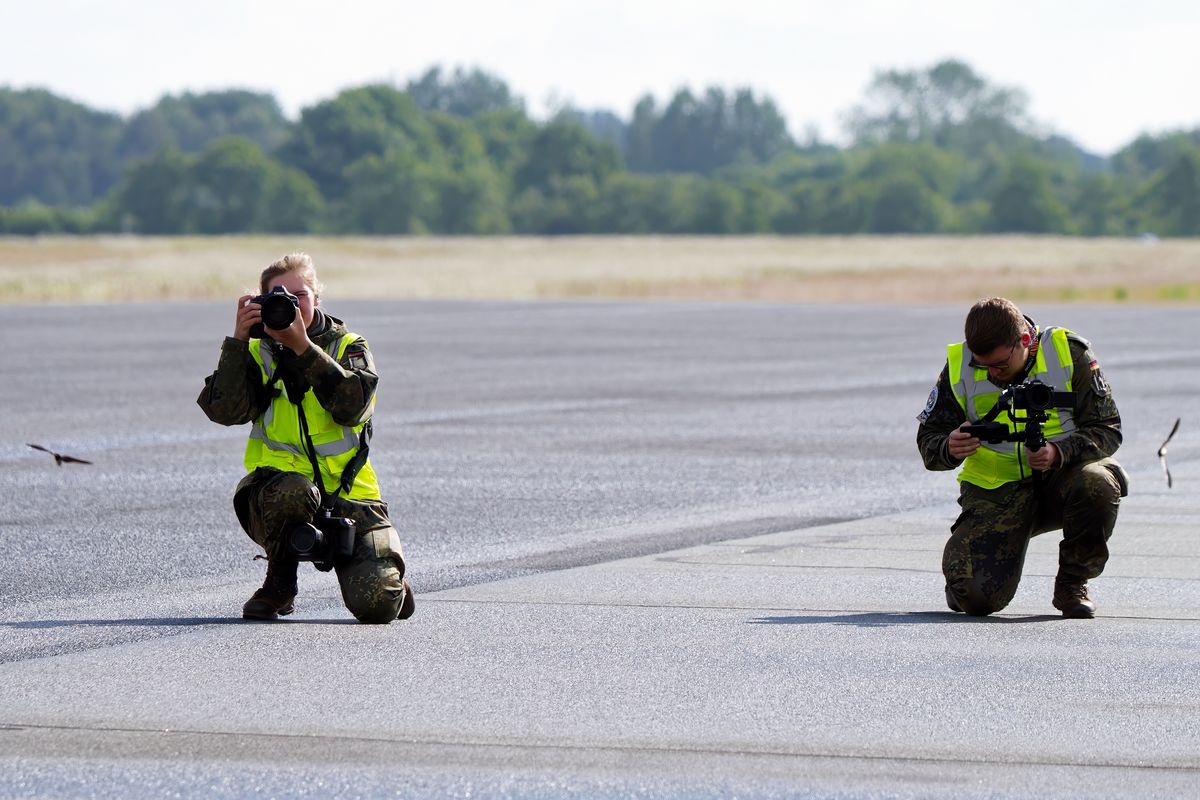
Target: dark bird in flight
point(1162, 452)
point(59, 458)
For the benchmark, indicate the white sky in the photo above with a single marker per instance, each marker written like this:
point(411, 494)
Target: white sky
point(1099, 71)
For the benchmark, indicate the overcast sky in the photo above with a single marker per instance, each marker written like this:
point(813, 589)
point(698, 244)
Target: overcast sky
point(1098, 71)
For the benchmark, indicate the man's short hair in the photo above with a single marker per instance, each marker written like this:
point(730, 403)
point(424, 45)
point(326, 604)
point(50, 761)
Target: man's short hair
point(994, 322)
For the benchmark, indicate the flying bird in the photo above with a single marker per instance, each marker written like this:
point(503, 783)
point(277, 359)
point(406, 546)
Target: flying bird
point(59, 458)
point(1162, 451)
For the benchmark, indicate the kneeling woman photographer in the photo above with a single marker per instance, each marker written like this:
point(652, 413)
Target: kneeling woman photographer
point(308, 385)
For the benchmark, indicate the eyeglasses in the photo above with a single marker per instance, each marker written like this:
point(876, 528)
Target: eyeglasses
point(974, 364)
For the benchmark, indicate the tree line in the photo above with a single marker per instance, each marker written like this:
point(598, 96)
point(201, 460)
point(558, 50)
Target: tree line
point(936, 150)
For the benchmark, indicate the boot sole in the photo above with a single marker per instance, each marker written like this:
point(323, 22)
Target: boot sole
point(267, 616)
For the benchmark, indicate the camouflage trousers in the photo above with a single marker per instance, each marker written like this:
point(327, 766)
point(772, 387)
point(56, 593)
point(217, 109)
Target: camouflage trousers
point(269, 503)
point(983, 559)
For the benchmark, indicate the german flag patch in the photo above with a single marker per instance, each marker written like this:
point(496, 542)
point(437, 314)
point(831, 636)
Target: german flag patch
point(356, 358)
point(1099, 384)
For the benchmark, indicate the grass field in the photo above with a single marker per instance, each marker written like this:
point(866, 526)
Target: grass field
point(871, 269)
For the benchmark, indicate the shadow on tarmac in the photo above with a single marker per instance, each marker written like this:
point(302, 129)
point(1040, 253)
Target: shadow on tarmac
point(888, 619)
point(167, 622)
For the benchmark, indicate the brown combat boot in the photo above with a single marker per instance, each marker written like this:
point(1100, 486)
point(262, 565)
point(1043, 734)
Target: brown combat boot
point(275, 598)
point(1071, 598)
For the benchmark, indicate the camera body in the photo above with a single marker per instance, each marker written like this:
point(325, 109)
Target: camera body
point(279, 307)
point(1034, 398)
point(326, 541)
point(1031, 396)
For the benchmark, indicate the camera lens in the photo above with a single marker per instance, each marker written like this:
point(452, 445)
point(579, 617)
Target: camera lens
point(304, 541)
point(1039, 395)
point(277, 312)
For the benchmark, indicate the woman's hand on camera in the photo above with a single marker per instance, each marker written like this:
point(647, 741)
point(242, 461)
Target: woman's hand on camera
point(294, 337)
point(247, 315)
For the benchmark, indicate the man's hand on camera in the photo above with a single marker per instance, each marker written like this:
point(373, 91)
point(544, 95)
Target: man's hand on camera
point(294, 337)
point(247, 315)
point(1045, 457)
point(961, 444)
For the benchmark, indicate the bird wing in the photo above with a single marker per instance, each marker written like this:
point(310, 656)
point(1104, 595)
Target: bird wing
point(1162, 450)
point(39, 447)
point(74, 460)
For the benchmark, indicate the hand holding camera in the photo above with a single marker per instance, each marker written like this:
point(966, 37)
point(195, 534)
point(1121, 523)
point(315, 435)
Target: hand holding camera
point(272, 315)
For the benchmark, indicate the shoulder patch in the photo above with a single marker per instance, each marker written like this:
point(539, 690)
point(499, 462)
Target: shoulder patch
point(929, 404)
point(355, 357)
point(1099, 384)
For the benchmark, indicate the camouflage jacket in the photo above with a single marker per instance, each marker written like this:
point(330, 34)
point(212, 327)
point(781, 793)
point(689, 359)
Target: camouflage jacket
point(1098, 423)
point(234, 394)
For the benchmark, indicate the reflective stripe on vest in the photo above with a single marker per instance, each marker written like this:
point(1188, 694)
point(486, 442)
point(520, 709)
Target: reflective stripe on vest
point(276, 437)
point(994, 465)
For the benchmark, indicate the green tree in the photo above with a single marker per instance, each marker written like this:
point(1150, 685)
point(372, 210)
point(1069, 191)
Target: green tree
point(367, 121)
point(564, 204)
point(1172, 197)
point(720, 208)
point(471, 194)
point(55, 151)
point(563, 149)
point(947, 104)
point(1025, 202)
point(506, 137)
point(292, 203)
point(389, 194)
point(1098, 208)
point(465, 93)
point(904, 204)
point(155, 196)
point(703, 134)
point(190, 122)
point(229, 184)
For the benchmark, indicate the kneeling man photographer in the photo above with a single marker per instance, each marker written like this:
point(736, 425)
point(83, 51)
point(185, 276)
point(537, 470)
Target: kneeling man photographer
point(1029, 416)
point(308, 385)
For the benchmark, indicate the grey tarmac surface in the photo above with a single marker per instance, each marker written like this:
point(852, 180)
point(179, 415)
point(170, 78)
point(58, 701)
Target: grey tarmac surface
point(660, 550)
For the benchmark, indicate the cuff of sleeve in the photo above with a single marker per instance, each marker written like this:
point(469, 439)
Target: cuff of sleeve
point(949, 459)
point(1066, 454)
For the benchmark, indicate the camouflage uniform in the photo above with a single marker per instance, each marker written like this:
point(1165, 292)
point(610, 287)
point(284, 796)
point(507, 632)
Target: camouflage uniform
point(269, 502)
point(983, 559)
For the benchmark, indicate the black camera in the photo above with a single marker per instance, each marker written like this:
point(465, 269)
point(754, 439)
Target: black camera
point(1032, 397)
point(326, 541)
point(279, 308)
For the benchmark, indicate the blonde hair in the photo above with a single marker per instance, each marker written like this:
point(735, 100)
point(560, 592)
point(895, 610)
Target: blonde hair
point(300, 263)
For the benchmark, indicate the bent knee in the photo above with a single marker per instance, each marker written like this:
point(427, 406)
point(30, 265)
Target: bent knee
point(977, 603)
point(378, 610)
point(373, 592)
point(1099, 483)
point(977, 607)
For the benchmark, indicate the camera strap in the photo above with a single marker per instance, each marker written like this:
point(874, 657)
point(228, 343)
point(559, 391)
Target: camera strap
point(295, 390)
point(351, 470)
point(311, 451)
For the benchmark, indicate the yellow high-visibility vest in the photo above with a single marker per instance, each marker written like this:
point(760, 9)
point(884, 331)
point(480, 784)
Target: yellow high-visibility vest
point(994, 465)
point(277, 441)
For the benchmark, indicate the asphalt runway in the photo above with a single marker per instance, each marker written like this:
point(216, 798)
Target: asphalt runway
point(565, 476)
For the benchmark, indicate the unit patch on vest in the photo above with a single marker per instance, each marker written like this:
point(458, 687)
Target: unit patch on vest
point(929, 404)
